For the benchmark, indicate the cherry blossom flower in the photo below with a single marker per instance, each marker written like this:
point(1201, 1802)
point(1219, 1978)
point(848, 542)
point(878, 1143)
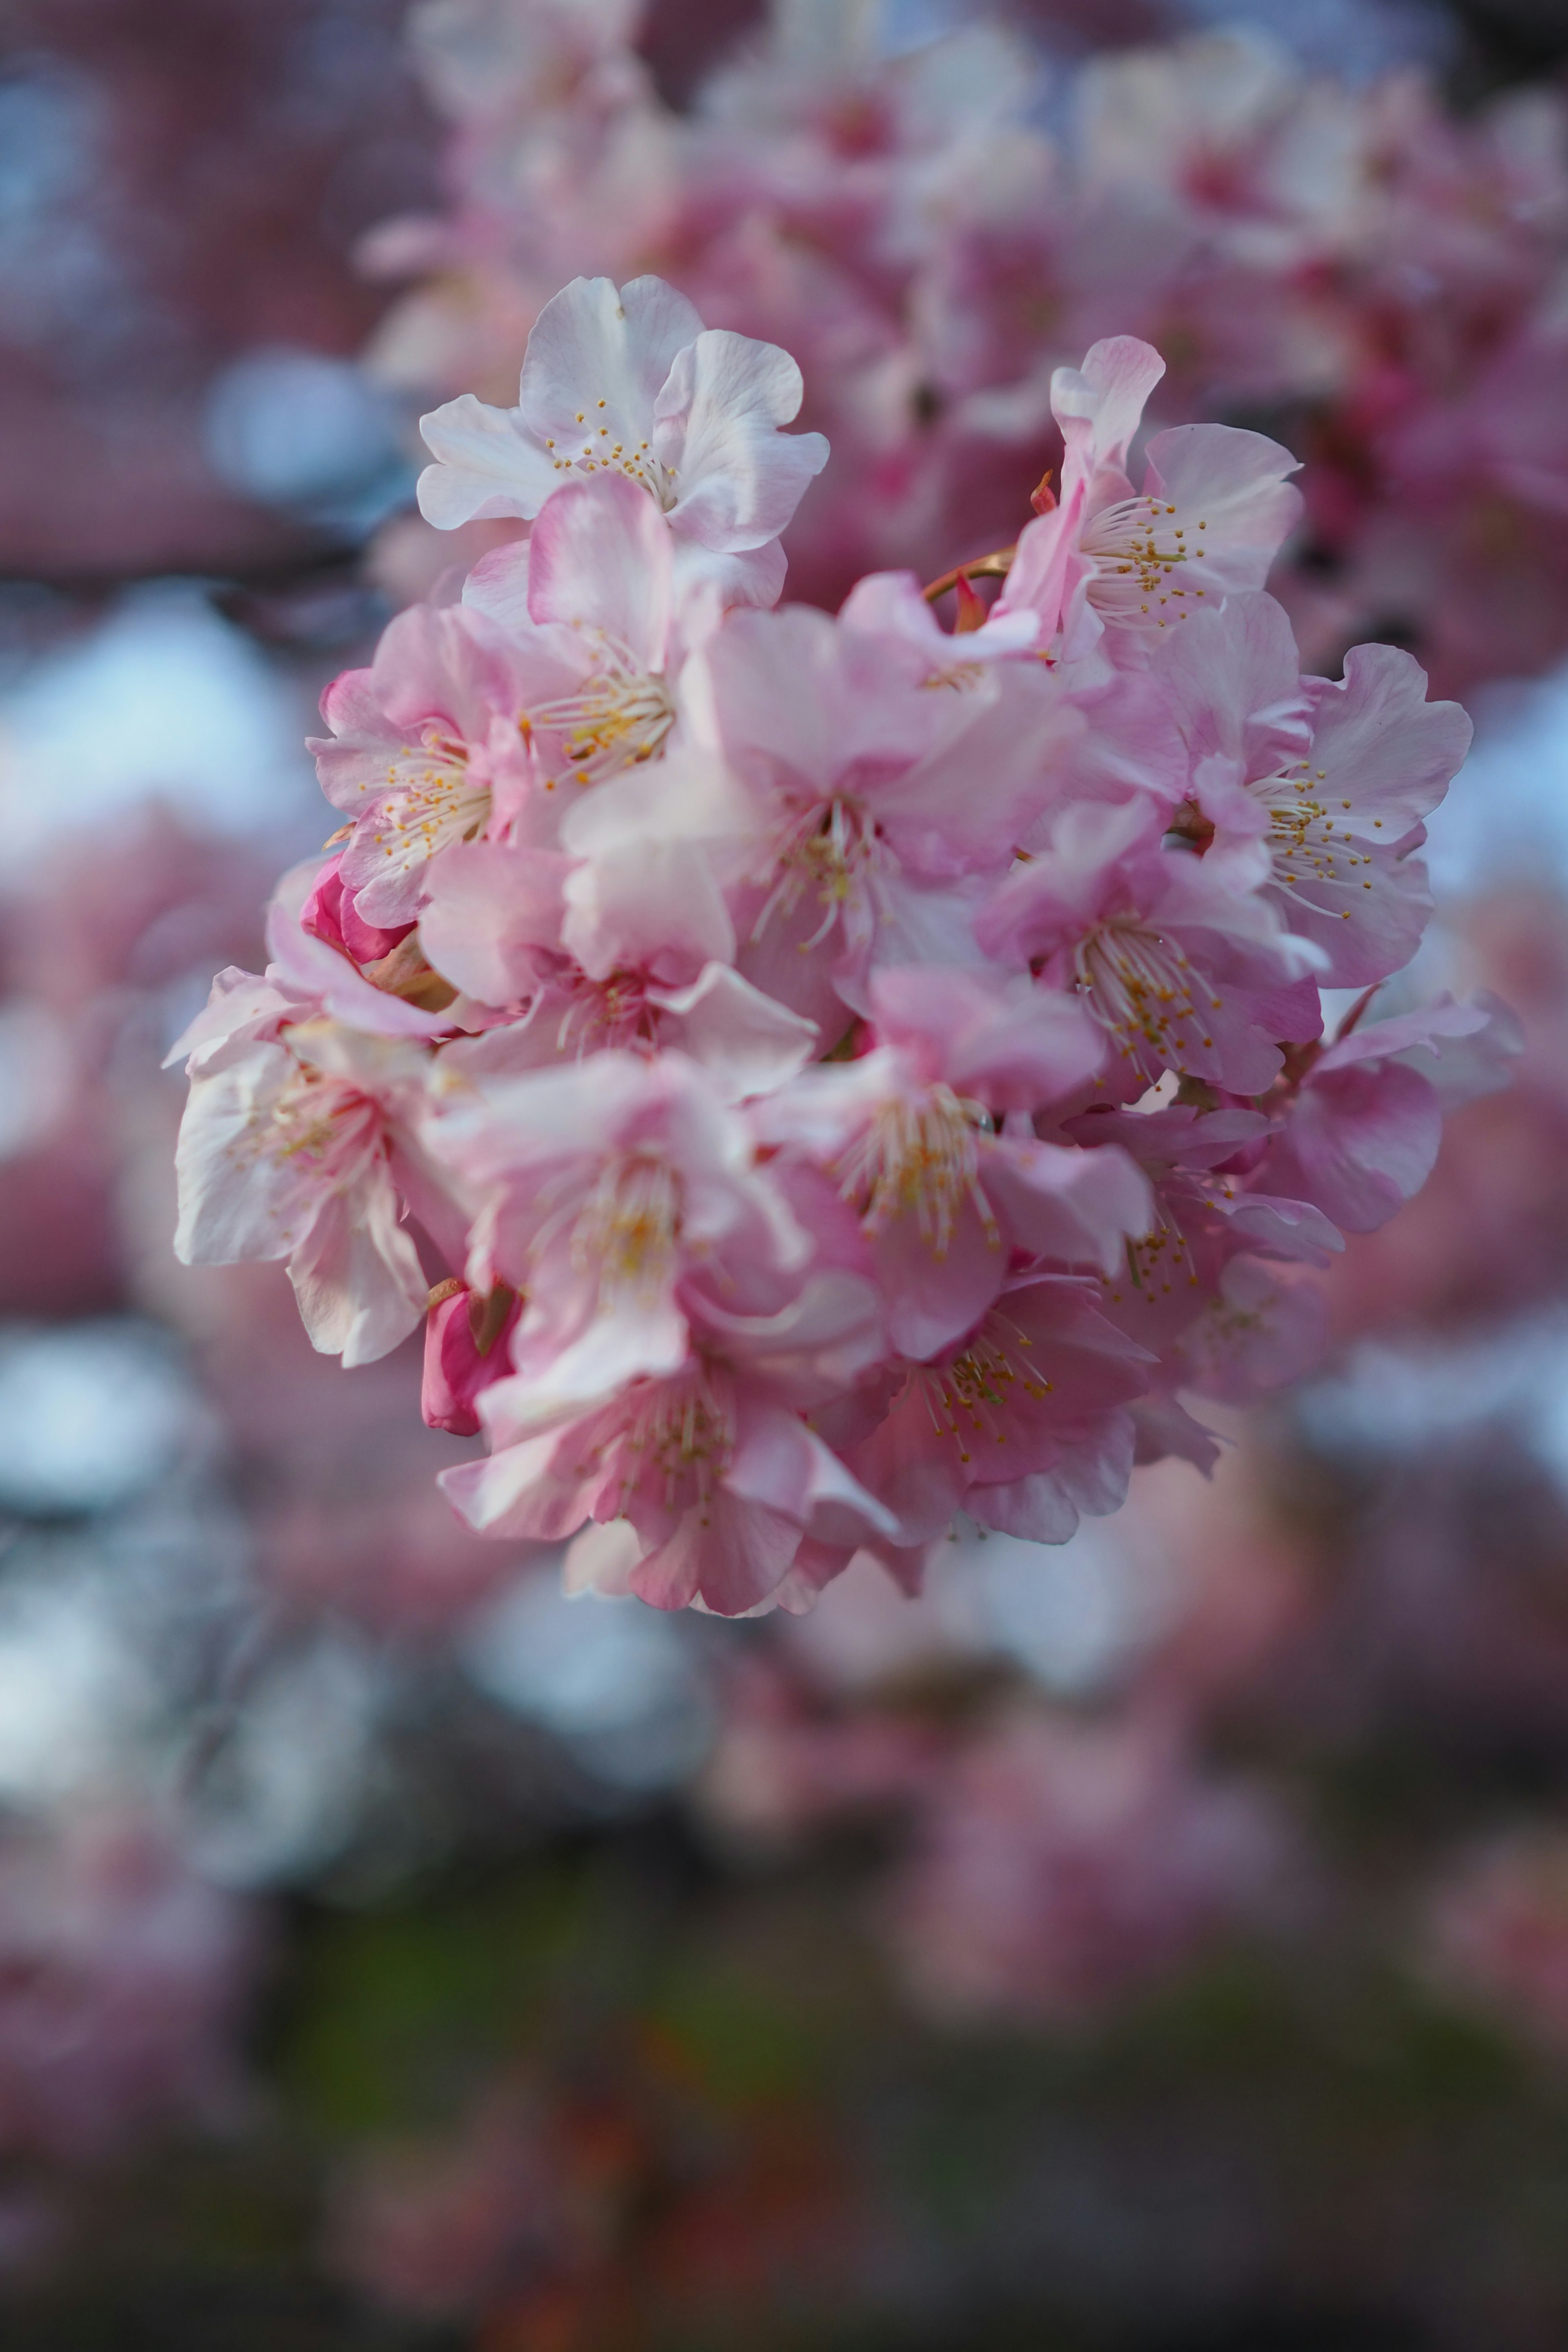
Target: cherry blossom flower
point(479, 722)
point(424, 752)
point(1208, 521)
point(1210, 1208)
point(1333, 779)
point(1016, 1425)
point(909, 1134)
point(1255, 1331)
point(592, 598)
point(632, 382)
point(706, 1485)
point(301, 1141)
point(1182, 971)
point(619, 1195)
point(1361, 1134)
point(876, 806)
point(746, 1043)
point(285, 1153)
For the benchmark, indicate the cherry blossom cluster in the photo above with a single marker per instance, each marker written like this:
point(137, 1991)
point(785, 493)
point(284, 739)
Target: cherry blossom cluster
point(125, 1974)
point(1379, 277)
point(817, 1075)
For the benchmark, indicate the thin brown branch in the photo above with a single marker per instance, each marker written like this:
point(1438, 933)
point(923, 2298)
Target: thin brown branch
point(994, 566)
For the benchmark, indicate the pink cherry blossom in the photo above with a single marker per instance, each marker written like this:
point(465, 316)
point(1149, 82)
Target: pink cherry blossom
point(1209, 1208)
point(1334, 780)
point(909, 1135)
point(876, 806)
point(1361, 1134)
point(591, 604)
point(1182, 971)
point(1256, 1330)
point(705, 1485)
point(632, 382)
point(1017, 1424)
point(300, 1141)
point(619, 1195)
point(1208, 521)
point(746, 1043)
point(424, 752)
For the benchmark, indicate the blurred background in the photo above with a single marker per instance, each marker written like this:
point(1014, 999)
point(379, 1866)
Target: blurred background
point(1158, 1944)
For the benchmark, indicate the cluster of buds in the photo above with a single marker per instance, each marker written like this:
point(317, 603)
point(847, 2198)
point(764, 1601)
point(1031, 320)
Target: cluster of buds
point(816, 1076)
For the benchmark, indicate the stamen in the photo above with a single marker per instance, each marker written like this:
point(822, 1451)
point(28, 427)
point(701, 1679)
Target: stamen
point(613, 1013)
point(429, 801)
point(637, 463)
point(618, 719)
point(1140, 988)
point(627, 1228)
point(919, 1158)
point(676, 1444)
point(966, 1397)
point(322, 1123)
point(1139, 553)
point(1303, 844)
point(835, 852)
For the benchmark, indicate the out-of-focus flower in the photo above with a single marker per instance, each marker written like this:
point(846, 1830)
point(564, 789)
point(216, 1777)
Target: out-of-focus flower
point(1350, 256)
point(1061, 1866)
point(1498, 1933)
point(562, 2212)
point(123, 1977)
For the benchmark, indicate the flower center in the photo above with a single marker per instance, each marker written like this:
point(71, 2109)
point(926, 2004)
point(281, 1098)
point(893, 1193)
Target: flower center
point(1156, 1262)
point(967, 1397)
point(613, 1013)
point(618, 719)
point(626, 1229)
point(673, 1443)
point(959, 677)
point(687, 1441)
point(596, 447)
point(1302, 842)
point(323, 1126)
point(1140, 988)
point(1139, 550)
point(919, 1158)
point(429, 801)
point(833, 854)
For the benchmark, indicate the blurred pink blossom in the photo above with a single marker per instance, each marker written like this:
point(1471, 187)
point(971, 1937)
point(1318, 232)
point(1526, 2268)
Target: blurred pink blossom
point(1061, 1866)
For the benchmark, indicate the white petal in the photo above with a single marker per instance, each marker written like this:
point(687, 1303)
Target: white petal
point(485, 465)
point(238, 1200)
point(357, 1278)
point(595, 364)
point(736, 479)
